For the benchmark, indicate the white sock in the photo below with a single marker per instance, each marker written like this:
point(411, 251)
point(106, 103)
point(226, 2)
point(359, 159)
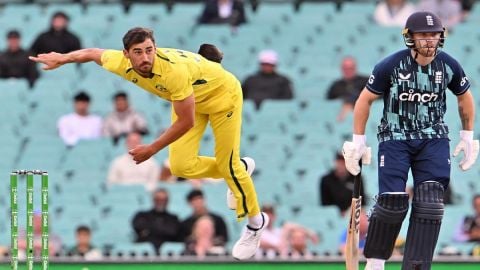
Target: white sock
point(376, 262)
point(256, 222)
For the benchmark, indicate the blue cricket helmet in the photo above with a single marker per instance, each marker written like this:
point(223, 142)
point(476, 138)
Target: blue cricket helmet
point(423, 22)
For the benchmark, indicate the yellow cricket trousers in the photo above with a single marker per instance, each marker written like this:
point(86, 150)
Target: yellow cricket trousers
point(226, 125)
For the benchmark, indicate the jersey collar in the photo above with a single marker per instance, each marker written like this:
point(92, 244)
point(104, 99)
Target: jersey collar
point(157, 65)
point(156, 69)
point(128, 67)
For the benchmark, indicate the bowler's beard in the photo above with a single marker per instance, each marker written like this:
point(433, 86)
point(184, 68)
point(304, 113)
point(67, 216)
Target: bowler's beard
point(144, 69)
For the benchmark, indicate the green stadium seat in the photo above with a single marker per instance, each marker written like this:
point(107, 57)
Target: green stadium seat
point(293, 142)
point(172, 248)
point(73, 10)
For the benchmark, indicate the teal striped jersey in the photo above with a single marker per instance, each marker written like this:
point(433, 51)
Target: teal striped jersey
point(414, 95)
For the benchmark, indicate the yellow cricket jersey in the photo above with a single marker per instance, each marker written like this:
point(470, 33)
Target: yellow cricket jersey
point(177, 74)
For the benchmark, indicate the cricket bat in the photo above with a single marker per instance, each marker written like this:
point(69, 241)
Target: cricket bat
point(351, 248)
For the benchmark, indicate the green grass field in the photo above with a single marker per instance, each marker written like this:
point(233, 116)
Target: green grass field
point(233, 266)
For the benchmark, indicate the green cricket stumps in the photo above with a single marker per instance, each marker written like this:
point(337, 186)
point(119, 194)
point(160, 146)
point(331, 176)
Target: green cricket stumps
point(29, 251)
point(44, 221)
point(14, 221)
point(30, 231)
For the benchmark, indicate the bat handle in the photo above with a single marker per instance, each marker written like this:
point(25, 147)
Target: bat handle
point(357, 182)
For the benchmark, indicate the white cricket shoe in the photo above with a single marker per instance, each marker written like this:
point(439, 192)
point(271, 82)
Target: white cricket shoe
point(246, 247)
point(375, 264)
point(250, 167)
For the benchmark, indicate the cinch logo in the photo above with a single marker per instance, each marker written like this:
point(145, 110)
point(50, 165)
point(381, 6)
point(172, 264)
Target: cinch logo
point(418, 97)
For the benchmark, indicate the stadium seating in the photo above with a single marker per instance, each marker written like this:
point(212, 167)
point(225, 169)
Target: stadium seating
point(293, 141)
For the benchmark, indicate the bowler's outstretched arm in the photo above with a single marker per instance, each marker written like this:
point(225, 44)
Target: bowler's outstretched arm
point(54, 60)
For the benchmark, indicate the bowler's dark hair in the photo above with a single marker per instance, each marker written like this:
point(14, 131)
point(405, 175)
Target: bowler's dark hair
point(137, 35)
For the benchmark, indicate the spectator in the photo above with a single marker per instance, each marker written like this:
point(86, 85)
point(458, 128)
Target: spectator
point(58, 38)
point(347, 88)
point(80, 125)
point(123, 119)
point(362, 228)
point(267, 83)
point(291, 239)
point(467, 6)
point(54, 242)
point(469, 228)
point(196, 200)
point(449, 11)
point(223, 12)
point(296, 239)
point(336, 186)
point(157, 225)
point(202, 241)
point(393, 12)
point(83, 246)
point(14, 62)
point(166, 174)
point(271, 239)
point(3, 252)
point(125, 171)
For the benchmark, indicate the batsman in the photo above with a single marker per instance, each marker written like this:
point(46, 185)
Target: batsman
point(412, 136)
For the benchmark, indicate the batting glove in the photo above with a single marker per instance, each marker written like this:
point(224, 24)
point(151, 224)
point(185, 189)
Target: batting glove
point(354, 151)
point(469, 146)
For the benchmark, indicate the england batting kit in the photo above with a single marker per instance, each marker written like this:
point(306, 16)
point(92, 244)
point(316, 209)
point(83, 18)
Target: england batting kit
point(414, 108)
point(412, 135)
